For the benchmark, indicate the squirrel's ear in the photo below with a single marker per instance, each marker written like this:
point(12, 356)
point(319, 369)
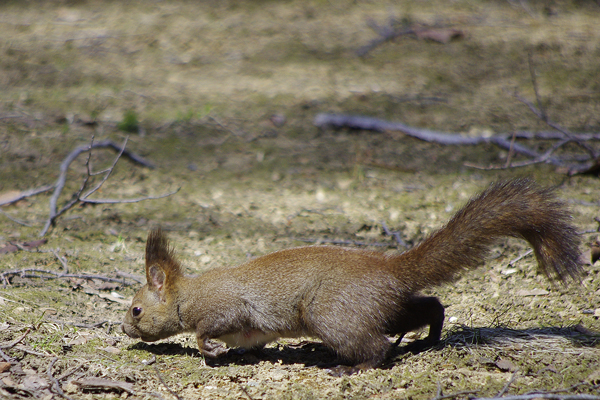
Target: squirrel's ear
point(155, 277)
point(161, 264)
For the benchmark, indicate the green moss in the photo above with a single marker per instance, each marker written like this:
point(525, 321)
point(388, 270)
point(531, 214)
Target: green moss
point(130, 122)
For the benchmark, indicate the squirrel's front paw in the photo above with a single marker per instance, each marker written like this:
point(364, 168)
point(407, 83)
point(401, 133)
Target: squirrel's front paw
point(212, 349)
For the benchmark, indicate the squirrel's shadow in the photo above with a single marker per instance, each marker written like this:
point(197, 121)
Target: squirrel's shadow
point(314, 353)
point(463, 336)
point(308, 353)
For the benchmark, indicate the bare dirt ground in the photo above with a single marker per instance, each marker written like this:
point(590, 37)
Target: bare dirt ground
point(221, 96)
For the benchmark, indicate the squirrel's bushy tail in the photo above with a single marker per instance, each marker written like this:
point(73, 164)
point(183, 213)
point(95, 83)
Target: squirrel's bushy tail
point(517, 208)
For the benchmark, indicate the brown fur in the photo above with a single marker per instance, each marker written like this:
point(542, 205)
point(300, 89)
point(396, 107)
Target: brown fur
point(350, 299)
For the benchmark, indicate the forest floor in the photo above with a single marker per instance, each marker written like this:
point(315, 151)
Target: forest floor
point(221, 97)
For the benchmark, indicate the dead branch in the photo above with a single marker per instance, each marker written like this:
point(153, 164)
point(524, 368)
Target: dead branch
point(178, 397)
point(519, 258)
point(386, 33)
point(80, 196)
point(540, 112)
point(34, 273)
point(26, 193)
point(81, 325)
point(543, 158)
point(5, 357)
point(510, 381)
point(133, 277)
point(367, 123)
point(126, 201)
point(55, 387)
point(395, 234)
point(391, 31)
point(13, 219)
point(71, 372)
point(16, 341)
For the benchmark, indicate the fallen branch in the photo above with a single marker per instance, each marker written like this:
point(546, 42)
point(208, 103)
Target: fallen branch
point(33, 273)
point(26, 193)
point(510, 381)
point(391, 31)
point(126, 201)
point(395, 234)
point(55, 386)
point(81, 325)
point(16, 341)
point(80, 196)
point(133, 277)
point(15, 220)
point(178, 397)
point(374, 124)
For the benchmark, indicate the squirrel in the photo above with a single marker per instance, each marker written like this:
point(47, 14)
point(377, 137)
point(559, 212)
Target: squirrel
point(351, 299)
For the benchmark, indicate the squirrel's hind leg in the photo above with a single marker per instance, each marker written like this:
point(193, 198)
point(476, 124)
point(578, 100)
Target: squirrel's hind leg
point(417, 312)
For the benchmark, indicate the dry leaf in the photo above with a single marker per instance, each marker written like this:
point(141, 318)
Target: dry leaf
point(9, 248)
point(110, 349)
point(78, 341)
point(4, 366)
point(505, 365)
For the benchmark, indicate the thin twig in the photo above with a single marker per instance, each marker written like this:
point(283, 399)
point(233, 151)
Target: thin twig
point(64, 166)
point(62, 260)
point(543, 115)
point(395, 234)
point(15, 342)
point(33, 353)
point(55, 387)
point(541, 159)
point(165, 385)
point(511, 150)
point(80, 325)
point(125, 201)
point(109, 171)
point(542, 111)
point(445, 138)
point(27, 193)
point(438, 392)
point(510, 381)
point(133, 277)
point(58, 275)
point(519, 258)
point(6, 358)
point(71, 372)
point(13, 219)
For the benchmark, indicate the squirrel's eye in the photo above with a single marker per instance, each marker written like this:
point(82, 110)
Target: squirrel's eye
point(136, 311)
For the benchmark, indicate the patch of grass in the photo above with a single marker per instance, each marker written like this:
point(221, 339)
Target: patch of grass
point(130, 122)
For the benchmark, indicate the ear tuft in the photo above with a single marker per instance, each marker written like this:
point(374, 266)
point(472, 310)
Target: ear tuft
point(161, 264)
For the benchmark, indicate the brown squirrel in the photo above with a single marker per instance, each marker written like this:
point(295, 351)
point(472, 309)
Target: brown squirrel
point(350, 299)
